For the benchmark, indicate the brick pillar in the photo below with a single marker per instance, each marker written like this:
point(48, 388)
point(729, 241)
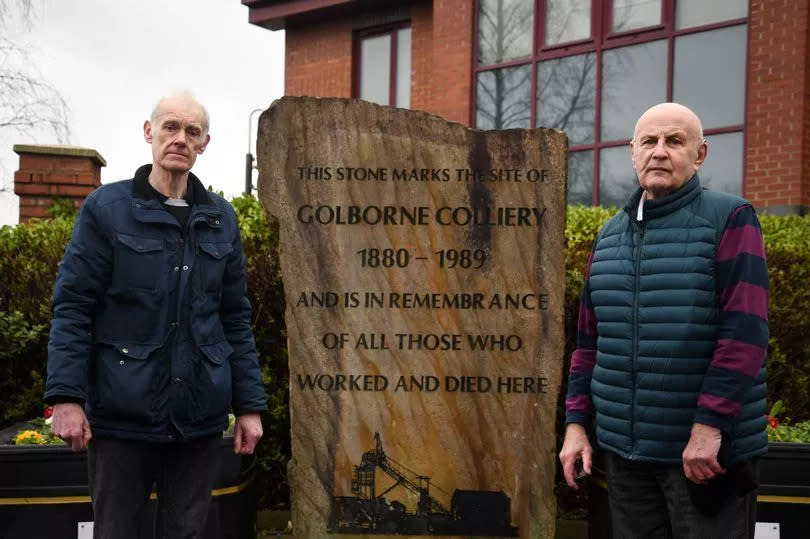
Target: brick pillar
point(452, 59)
point(441, 59)
point(47, 172)
point(777, 168)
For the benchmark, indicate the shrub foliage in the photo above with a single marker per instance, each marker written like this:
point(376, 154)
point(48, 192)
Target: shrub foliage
point(30, 253)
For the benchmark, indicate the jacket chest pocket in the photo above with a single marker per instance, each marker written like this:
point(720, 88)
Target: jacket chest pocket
point(211, 262)
point(139, 262)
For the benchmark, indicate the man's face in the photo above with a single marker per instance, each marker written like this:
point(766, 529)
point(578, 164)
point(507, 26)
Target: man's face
point(177, 136)
point(666, 150)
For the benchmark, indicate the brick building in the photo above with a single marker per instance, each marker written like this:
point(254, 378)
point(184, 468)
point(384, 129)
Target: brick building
point(589, 67)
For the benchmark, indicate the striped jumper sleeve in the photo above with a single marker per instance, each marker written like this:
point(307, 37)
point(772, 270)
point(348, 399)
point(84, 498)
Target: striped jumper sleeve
point(742, 340)
point(578, 407)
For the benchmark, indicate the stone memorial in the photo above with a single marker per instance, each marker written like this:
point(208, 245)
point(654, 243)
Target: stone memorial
point(423, 270)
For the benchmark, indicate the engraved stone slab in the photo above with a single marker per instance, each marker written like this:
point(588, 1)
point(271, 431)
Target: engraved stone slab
point(424, 277)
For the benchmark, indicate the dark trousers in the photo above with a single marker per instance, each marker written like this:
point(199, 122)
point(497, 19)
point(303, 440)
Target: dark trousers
point(658, 501)
point(121, 475)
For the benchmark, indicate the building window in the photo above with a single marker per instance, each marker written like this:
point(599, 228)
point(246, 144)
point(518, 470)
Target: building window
point(592, 67)
point(383, 66)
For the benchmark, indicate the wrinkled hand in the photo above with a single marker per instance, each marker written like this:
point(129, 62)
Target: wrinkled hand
point(246, 433)
point(70, 424)
point(575, 447)
point(700, 456)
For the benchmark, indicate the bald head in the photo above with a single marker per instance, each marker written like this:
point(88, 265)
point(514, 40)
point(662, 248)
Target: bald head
point(185, 100)
point(672, 111)
point(178, 133)
point(667, 148)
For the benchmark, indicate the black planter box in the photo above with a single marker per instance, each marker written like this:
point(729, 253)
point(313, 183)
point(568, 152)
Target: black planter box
point(783, 496)
point(43, 493)
point(784, 492)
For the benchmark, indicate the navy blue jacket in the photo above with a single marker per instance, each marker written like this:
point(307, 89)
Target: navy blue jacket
point(151, 324)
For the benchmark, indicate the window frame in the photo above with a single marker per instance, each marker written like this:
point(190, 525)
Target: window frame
point(391, 30)
point(601, 40)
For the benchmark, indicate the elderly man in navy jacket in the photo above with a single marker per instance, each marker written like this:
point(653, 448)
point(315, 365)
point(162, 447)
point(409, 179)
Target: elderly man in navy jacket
point(673, 331)
point(150, 343)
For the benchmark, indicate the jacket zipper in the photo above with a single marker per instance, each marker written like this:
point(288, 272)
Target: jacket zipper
point(640, 226)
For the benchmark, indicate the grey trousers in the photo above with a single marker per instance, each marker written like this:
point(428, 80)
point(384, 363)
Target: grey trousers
point(122, 473)
point(658, 501)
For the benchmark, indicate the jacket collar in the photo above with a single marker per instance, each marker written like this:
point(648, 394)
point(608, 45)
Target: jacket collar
point(148, 209)
point(663, 206)
point(197, 193)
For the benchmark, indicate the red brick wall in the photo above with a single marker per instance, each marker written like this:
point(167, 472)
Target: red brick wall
point(452, 60)
point(805, 179)
point(318, 58)
point(42, 176)
point(778, 128)
point(422, 88)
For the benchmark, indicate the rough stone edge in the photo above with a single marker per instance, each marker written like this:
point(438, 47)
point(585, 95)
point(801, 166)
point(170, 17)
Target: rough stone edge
point(427, 115)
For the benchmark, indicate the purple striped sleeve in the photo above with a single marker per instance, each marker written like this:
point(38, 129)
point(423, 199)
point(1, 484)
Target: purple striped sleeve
point(580, 403)
point(744, 239)
point(583, 361)
point(746, 298)
point(743, 320)
point(719, 405)
point(578, 406)
point(728, 353)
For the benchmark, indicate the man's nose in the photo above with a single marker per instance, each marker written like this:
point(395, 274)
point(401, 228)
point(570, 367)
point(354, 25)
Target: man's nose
point(659, 152)
point(180, 137)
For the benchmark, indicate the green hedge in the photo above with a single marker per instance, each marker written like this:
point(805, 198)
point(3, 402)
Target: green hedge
point(30, 253)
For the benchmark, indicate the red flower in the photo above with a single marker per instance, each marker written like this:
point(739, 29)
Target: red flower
point(48, 412)
point(773, 422)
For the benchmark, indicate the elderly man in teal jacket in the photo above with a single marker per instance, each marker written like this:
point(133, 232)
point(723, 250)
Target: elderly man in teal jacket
point(672, 339)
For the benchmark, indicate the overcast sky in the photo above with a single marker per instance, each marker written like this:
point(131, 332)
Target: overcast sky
point(111, 60)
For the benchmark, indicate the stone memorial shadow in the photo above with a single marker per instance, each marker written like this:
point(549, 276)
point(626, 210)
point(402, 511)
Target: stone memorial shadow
point(423, 268)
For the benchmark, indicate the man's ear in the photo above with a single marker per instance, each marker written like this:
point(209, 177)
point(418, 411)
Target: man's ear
point(147, 131)
point(703, 150)
point(204, 145)
point(632, 154)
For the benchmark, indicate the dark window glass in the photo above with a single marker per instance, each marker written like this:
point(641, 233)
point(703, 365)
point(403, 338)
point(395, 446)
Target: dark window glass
point(566, 96)
point(712, 87)
point(617, 179)
point(504, 30)
point(567, 20)
point(580, 178)
point(689, 13)
point(633, 79)
point(723, 168)
point(633, 14)
point(375, 69)
point(503, 98)
point(403, 68)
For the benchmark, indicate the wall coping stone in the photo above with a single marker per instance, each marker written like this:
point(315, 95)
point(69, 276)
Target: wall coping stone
point(60, 150)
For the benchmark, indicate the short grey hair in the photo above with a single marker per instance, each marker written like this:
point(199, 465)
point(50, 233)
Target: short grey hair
point(186, 96)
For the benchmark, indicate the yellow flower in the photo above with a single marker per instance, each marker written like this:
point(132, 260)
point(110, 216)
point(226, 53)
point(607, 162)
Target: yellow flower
point(29, 437)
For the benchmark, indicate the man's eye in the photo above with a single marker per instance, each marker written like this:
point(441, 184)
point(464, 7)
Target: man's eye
point(648, 142)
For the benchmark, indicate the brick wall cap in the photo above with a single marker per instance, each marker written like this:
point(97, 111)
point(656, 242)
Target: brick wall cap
point(60, 150)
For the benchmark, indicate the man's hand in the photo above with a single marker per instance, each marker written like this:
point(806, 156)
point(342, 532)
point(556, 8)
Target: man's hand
point(246, 433)
point(700, 456)
point(575, 447)
point(70, 424)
